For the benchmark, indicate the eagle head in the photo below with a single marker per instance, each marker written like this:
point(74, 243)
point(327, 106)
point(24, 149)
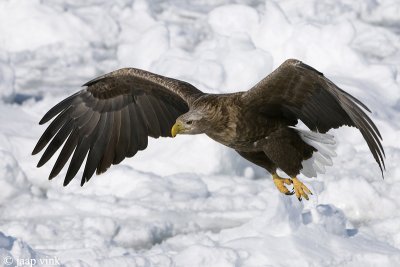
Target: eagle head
point(192, 122)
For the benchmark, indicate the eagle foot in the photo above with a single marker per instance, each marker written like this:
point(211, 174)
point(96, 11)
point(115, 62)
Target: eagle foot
point(300, 189)
point(280, 184)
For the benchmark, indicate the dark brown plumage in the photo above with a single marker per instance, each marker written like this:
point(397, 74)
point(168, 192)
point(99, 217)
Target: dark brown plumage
point(113, 117)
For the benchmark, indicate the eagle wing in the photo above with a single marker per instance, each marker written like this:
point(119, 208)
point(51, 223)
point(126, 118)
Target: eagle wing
point(111, 119)
point(297, 91)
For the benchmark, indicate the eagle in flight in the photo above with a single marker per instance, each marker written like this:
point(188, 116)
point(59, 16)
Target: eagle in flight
point(113, 116)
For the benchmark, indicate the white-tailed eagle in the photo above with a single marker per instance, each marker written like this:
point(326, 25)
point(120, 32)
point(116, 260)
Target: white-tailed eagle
point(113, 116)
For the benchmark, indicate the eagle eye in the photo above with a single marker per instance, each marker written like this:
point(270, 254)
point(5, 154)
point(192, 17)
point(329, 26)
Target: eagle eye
point(189, 122)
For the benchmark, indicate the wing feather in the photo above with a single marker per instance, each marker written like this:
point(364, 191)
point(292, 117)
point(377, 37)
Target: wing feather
point(108, 154)
point(149, 116)
point(97, 148)
point(137, 130)
point(84, 141)
point(163, 122)
point(297, 91)
point(112, 119)
point(53, 128)
point(124, 137)
point(65, 154)
point(69, 101)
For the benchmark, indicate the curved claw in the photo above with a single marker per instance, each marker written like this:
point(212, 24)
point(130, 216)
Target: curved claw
point(290, 193)
point(280, 184)
point(300, 189)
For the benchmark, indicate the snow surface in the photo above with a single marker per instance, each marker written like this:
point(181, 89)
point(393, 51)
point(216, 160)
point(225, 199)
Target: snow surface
point(189, 201)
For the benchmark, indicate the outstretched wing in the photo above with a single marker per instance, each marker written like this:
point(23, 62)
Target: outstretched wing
point(297, 91)
point(111, 119)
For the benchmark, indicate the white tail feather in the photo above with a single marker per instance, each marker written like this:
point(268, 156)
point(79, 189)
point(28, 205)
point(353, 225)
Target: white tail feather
point(325, 145)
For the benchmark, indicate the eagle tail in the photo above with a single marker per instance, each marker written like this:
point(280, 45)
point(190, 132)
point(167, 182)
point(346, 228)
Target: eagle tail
point(324, 144)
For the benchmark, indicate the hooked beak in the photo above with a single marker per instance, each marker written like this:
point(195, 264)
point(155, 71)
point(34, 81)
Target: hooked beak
point(177, 128)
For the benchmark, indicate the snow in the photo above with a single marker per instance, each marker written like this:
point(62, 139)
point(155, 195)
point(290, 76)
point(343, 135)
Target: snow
point(189, 201)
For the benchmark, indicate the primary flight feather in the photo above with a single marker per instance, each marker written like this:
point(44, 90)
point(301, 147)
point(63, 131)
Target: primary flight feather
point(112, 118)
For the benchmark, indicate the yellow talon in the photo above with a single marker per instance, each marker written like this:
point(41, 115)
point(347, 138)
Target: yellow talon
point(300, 189)
point(280, 184)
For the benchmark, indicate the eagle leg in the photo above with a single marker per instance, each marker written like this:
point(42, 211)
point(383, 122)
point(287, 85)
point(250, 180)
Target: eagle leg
point(280, 184)
point(300, 189)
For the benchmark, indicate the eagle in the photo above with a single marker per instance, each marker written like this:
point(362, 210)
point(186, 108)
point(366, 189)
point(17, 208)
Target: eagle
point(115, 114)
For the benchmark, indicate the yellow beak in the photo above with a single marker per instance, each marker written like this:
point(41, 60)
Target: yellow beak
point(177, 128)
